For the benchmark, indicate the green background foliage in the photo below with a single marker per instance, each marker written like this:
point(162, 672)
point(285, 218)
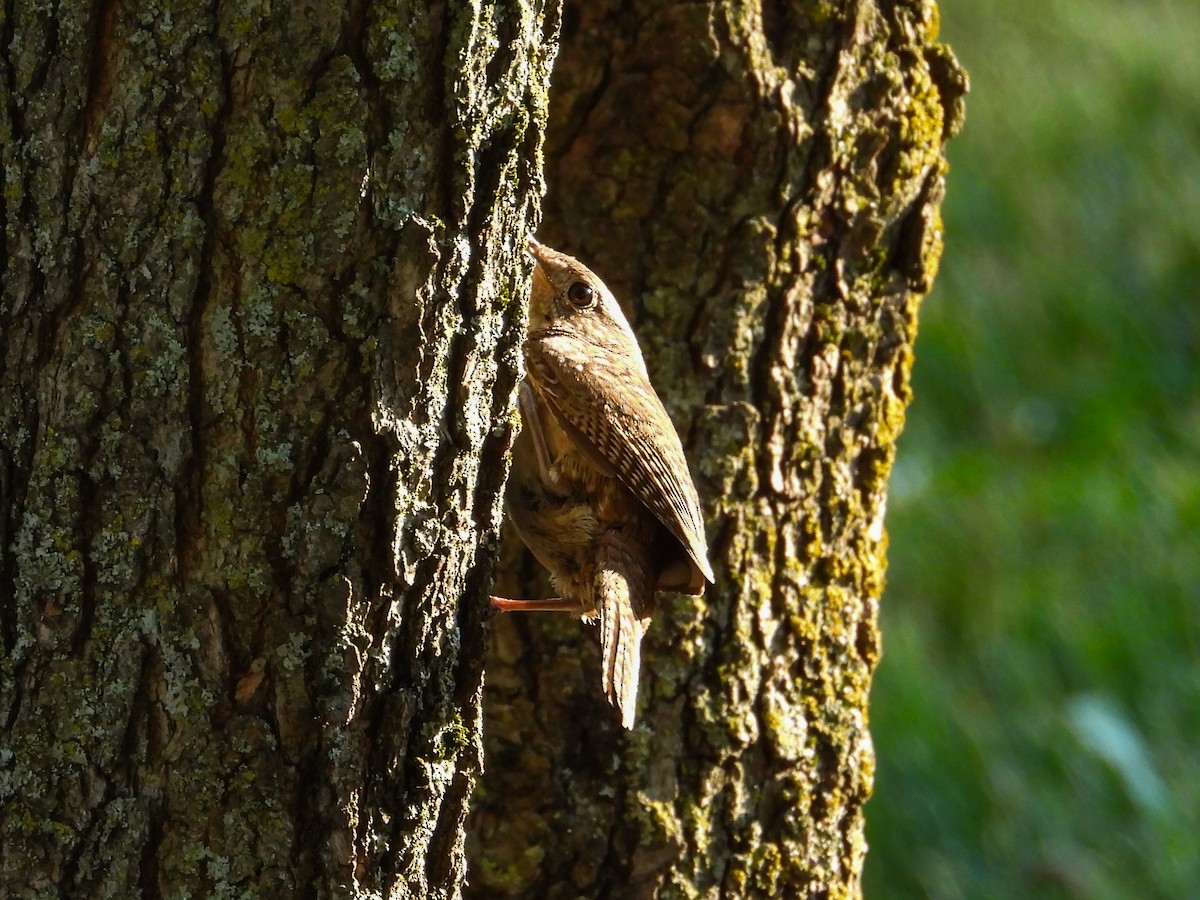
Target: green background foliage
point(1037, 710)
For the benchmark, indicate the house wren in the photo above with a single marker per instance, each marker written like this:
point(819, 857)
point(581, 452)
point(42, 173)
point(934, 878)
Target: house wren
point(599, 490)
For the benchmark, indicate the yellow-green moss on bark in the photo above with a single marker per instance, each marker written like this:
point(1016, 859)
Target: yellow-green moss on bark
point(759, 183)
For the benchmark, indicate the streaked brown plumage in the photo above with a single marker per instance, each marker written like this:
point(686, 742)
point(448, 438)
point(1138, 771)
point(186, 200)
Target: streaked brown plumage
point(600, 489)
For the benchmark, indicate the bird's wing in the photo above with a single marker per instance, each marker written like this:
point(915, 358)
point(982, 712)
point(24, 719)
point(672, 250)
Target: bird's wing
point(609, 408)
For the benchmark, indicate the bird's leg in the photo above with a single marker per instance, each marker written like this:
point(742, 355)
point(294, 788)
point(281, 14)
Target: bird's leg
point(547, 604)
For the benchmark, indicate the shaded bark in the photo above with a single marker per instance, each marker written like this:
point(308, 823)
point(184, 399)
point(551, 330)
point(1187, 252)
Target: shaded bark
point(761, 183)
point(258, 354)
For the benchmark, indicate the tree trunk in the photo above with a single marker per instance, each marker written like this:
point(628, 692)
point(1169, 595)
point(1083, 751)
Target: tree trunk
point(259, 347)
point(762, 184)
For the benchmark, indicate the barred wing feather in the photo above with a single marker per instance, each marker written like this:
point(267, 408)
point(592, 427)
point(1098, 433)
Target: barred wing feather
point(610, 409)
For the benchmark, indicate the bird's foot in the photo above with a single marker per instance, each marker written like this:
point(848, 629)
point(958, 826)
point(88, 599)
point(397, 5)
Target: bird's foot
point(546, 604)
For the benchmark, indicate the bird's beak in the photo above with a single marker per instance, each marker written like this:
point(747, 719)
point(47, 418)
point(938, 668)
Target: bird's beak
point(533, 247)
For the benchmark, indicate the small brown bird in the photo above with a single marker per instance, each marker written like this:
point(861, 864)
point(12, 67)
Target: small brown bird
point(600, 489)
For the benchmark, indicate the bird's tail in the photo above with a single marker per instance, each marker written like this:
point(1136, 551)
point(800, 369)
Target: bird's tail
point(624, 601)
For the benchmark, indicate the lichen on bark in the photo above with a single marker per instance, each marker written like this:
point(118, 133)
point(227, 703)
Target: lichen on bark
point(256, 373)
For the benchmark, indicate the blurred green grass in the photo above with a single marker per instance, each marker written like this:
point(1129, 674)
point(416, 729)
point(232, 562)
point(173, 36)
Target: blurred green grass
point(1037, 711)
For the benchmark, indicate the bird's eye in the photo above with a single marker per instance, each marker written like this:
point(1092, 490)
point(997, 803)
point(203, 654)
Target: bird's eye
point(581, 294)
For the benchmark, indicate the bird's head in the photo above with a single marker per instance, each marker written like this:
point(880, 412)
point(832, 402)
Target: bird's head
point(568, 298)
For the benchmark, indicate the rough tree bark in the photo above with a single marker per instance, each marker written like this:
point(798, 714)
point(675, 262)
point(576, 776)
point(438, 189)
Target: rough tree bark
point(258, 353)
point(761, 182)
